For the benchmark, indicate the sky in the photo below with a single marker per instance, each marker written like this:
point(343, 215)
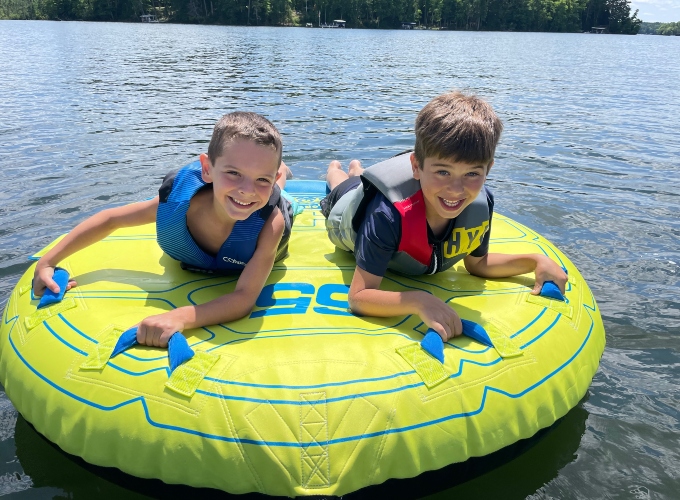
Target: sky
point(652, 11)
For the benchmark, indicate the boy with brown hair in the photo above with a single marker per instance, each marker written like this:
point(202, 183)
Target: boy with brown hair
point(420, 213)
point(225, 213)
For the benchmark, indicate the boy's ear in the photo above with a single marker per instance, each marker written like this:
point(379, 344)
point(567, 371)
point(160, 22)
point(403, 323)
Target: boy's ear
point(488, 169)
point(278, 176)
point(206, 167)
point(415, 166)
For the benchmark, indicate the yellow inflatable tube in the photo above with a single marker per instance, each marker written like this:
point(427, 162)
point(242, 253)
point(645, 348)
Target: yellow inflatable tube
point(301, 397)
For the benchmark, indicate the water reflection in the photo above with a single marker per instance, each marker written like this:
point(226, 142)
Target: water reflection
point(513, 472)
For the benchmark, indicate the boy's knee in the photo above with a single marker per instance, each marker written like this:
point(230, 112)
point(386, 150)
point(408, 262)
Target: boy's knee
point(334, 165)
point(355, 168)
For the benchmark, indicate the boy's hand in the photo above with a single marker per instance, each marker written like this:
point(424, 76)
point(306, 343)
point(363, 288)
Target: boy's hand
point(441, 317)
point(548, 270)
point(156, 330)
point(42, 279)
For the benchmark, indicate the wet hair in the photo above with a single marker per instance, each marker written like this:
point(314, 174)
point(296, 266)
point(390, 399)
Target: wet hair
point(244, 125)
point(459, 127)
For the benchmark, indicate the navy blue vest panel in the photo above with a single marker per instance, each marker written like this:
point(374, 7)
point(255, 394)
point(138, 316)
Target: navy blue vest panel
point(173, 234)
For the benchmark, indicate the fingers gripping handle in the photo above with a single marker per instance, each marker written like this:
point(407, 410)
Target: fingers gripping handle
point(551, 290)
point(60, 277)
point(178, 347)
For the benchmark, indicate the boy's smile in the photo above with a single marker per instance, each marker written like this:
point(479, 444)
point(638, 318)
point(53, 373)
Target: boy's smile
point(448, 187)
point(240, 204)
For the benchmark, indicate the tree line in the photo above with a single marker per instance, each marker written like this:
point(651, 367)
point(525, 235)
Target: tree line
point(668, 29)
point(491, 15)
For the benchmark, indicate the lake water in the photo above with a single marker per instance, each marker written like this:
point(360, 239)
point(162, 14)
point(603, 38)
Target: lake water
point(93, 115)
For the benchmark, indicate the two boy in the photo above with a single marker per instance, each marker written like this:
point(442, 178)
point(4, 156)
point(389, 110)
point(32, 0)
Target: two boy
point(416, 213)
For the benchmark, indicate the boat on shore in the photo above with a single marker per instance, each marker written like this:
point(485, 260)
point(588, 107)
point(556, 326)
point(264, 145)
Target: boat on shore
point(148, 18)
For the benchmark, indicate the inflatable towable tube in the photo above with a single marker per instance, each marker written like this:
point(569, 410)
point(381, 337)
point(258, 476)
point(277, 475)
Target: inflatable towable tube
point(300, 397)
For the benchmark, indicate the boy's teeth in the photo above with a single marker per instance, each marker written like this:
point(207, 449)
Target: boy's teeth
point(451, 203)
point(240, 203)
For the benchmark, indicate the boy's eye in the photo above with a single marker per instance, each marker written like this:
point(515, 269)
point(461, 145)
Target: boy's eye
point(442, 172)
point(232, 172)
point(473, 174)
point(264, 179)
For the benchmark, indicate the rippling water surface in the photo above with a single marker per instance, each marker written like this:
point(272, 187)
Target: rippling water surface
point(93, 116)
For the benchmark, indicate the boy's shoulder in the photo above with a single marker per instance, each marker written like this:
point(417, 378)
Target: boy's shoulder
point(181, 184)
point(489, 195)
point(393, 177)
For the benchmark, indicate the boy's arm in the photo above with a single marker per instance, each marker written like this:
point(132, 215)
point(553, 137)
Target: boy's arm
point(500, 265)
point(365, 298)
point(91, 230)
point(157, 330)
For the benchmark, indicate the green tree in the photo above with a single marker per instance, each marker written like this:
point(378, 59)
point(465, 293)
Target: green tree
point(620, 20)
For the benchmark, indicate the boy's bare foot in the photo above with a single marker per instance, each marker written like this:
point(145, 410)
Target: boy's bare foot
point(355, 168)
point(285, 171)
point(285, 174)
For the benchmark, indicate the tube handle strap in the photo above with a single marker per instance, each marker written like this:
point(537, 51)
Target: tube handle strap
point(504, 346)
point(188, 376)
point(116, 342)
point(428, 368)
point(36, 318)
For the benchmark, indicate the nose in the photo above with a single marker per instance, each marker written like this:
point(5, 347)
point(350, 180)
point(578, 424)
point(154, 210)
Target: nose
point(455, 185)
point(246, 186)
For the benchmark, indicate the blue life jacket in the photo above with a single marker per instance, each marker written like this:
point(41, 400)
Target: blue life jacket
point(173, 234)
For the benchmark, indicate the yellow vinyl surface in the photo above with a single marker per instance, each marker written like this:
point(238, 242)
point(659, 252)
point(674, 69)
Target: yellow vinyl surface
point(304, 398)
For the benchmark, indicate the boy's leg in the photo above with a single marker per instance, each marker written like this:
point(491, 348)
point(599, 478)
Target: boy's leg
point(285, 175)
point(335, 174)
point(340, 183)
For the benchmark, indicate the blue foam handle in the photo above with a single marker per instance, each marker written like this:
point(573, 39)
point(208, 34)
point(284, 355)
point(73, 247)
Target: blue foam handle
point(178, 350)
point(178, 347)
point(125, 341)
point(433, 344)
point(551, 290)
point(60, 277)
point(476, 332)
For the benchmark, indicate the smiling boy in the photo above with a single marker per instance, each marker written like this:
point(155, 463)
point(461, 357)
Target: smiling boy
point(420, 213)
point(226, 213)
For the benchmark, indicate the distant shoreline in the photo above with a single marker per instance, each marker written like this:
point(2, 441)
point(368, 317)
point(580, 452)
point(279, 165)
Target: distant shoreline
point(368, 28)
point(537, 16)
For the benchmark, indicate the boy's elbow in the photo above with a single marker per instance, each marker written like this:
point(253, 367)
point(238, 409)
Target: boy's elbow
point(474, 271)
point(242, 306)
point(243, 310)
point(475, 265)
point(111, 219)
point(354, 306)
point(107, 220)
